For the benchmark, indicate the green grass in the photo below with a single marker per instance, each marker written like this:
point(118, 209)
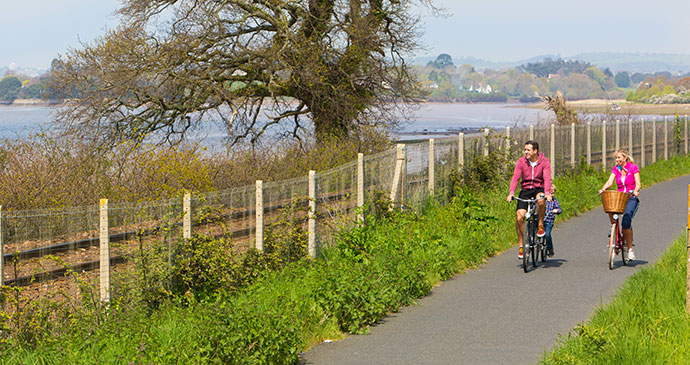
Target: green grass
point(371, 270)
point(645, 323)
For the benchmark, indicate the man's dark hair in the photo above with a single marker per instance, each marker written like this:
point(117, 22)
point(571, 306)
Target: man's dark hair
point(535, 145)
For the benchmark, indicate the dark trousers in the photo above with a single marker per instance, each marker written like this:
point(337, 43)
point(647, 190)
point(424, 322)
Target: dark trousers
point(547, 229)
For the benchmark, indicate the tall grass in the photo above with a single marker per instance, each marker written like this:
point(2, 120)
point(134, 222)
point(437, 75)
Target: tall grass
point(46, 171)
point(646, 323)
point(368, 271)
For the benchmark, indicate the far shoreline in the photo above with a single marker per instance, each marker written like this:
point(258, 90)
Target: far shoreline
point(616, 107)
point(31, 102)
point(599, 106)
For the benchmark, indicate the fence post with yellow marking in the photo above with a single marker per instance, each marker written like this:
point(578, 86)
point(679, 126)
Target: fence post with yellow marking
point(104, 267)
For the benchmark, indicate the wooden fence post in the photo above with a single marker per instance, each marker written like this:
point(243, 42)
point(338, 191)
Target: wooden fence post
point(552, 156)
point(432, 167)
point(618, 134)
point(360, 186)
point(630, 137)
point(643, 147)
point(665, 138)
point(589, 143)
point(311, 229)
point(398, 180)
point(403, 178)
point(508, 140)
point(603, 145)
point(485, 140)
point(104, 257)
point(187, 219)
point(259, 242)
point(685, 134)
point(531, 132)
point(654, 140)
point(461, 150)
point(572, 145)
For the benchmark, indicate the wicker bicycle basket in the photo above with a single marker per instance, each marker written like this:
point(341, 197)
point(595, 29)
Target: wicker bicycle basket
point(614, 201)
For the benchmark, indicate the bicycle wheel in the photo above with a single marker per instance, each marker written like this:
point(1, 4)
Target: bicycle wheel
point(525, 255)
point(612, 245)
point(624, 251)
point(543, 250)
point(535, 251)
point(526, 245)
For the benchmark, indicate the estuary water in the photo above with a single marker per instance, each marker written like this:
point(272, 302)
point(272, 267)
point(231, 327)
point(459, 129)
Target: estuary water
point(431, 120)
point(443, 119)
point(22, 120)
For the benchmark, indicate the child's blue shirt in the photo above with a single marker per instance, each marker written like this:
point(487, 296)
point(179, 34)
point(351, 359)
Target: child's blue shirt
point(552, 208)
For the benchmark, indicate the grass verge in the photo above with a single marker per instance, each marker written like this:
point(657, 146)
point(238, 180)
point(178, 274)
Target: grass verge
point(370, 271)
point(645, 323)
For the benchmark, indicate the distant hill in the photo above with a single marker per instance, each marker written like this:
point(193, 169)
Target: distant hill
point(28, 71)
point(637, 62)
point(616, 61)
point(481, 64)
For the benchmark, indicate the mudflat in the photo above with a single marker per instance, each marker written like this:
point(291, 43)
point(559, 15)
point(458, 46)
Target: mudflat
point(623, 107)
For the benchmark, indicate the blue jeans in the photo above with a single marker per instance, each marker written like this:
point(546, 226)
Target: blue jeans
point(547, 229)
point(630, 210)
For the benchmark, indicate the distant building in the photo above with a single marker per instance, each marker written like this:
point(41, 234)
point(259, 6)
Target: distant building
point(481, 89)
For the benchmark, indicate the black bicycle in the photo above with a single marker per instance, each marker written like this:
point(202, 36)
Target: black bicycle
point(533, 246)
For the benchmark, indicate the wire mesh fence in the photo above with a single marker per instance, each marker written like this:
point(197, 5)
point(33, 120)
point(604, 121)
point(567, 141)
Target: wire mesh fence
point(40, 246)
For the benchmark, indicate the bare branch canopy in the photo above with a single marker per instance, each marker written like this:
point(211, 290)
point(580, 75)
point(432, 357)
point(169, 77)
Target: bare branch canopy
point(326, 67)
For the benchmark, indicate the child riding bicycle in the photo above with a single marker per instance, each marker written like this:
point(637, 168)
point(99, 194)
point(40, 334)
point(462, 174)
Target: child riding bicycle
point(552, 209)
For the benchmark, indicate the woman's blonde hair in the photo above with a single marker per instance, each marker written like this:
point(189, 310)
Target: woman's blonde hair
point(625, 154)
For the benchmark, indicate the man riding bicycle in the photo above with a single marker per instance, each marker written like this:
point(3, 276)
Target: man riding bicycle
point(535, 170)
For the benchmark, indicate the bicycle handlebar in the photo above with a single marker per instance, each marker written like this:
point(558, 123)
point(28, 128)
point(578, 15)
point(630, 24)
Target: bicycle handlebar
point(631, 193)
point(529, 200)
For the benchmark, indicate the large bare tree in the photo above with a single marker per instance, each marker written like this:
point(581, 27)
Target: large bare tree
point(327, 67)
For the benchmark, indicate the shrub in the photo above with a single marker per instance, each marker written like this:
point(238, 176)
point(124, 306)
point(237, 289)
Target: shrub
point(483, 171)
point(203, 266)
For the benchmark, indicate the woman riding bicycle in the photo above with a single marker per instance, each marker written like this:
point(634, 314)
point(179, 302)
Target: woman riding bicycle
point(627, 177)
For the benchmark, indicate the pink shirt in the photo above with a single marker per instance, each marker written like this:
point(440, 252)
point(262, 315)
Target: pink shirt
point(625, 179)
point(537, 176)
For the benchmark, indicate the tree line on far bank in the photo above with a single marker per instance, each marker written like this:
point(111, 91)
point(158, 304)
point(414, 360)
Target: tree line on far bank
point(531, 82)
point(18, 86)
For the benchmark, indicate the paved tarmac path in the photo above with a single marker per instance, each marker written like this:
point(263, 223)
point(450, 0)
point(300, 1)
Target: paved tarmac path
point(499, 315)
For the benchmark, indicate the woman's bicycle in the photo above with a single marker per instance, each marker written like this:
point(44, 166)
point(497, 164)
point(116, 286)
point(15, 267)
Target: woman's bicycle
point(614, 202)
point(533, 246)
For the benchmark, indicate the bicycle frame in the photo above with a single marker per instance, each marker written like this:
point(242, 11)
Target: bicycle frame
point(616, 241)
point(533, 243)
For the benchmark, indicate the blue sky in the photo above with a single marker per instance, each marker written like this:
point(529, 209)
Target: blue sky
point(514, 30)
point(33, 32)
